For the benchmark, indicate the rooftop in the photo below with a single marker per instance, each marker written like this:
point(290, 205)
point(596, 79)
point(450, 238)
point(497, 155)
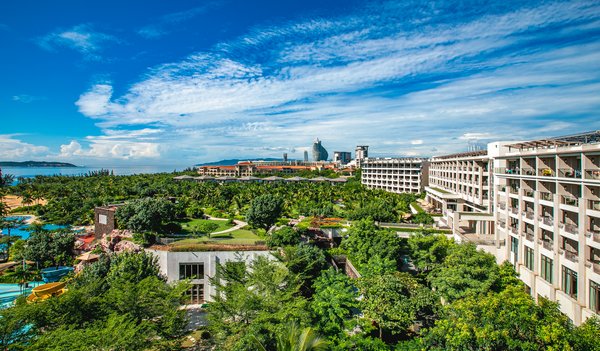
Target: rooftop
point(592, 137)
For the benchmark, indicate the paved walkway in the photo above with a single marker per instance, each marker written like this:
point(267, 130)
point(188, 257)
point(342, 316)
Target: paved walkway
point(238, 225)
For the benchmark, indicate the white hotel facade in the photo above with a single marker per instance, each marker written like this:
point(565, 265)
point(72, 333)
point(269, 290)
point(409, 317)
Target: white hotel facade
point(535, 204)
point(397, 175)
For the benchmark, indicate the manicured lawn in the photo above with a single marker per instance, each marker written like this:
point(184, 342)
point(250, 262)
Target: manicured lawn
point(190, 223)
point(237, 237)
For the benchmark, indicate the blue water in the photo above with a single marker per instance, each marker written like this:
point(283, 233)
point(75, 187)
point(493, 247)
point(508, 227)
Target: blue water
point(10, 292)
point(22, 230)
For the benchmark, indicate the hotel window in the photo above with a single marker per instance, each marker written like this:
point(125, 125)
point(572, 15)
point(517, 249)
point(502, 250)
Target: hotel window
point(529, 258)
point(569, 281)
point(191, 271)
point(196, 294)
point(514, 248)
point(546, 269)
point(595, 297)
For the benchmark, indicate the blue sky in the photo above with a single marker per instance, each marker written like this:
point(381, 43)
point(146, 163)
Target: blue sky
point(182, 82)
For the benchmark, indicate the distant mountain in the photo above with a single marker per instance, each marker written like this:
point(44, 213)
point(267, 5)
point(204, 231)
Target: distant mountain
point(27, 164)
point(234, 161)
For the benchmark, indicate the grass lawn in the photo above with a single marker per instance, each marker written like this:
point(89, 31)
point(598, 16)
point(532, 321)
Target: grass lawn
point(187, 225)
point(237, 237)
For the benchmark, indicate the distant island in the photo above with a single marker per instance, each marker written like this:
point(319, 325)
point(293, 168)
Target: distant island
point(235, 161)
point(28, 164)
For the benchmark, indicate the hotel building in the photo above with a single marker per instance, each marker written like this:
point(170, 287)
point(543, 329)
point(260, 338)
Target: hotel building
point(543, 198)
point(548, 208)
point(459, 188)
point(397, 175)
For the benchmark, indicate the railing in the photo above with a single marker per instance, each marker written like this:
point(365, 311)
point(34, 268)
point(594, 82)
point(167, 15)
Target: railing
point(569, 173)
point(502, 224)
point(528, 193)
point(596, 237)
point(513, 190)
point(596, 267)
point(546, 196)
point(548, 244)
point(547, 220)
point(594, 205)
point(569, 200)
point(545, 172)
point(514, 210)
point(502, 205)
point(592, 174)
point(513, 230)
point(529, 214)
point(571, 256)
point(527, 171)
point(570, 228)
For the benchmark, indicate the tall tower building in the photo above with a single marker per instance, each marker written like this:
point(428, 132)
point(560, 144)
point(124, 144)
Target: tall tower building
point(361, 152)
point(318, 151)
point(305, 156)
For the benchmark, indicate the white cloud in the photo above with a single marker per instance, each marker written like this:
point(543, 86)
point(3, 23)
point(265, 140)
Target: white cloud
point(26, 99)
point(82, 38)
point(17, 150)
point(367, 78)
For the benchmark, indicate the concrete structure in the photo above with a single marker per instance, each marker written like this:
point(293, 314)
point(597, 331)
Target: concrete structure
point(459, 188)
point(198, 266)
point(544, 201)
point(305, 156)
point(318, 151)
point(342, 157)
point(104, 220)
point(361, 152)
point(397, 175)
point(548, 209)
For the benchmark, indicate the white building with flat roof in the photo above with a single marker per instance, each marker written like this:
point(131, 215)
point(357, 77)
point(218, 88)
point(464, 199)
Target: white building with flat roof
point(542, 199)
point(397, 175)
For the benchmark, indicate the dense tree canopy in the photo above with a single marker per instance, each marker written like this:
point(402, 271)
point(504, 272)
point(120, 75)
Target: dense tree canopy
point(146, 215)
point(264, 211)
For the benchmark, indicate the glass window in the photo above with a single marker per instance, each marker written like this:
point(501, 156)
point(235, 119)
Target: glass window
point(569, 281)
point(594, 296)
point(546, 269)
point(529, 258)
point(191, 271)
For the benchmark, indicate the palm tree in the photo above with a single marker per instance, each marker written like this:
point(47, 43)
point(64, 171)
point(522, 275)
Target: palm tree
point(294, 339)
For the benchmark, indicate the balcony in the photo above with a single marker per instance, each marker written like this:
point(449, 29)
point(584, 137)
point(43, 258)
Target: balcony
point(546, 172)
point(546, 196)
point(514, 230)
point(528, 193)
point(528, 214)
point(571, 256)
point(547, 220)
point(594, 205)
point(513, 190)
point(548, 244)
point(592, 174)
point(569, 173)
point(569, 200)
point(502, 205)
point(514, 210)
point(528, 171)
point(529, 237)
point(569, 228)
point(502, 224)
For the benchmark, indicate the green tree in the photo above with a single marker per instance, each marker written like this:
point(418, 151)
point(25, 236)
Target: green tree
point(294, 339)
point(285, 236)
point(394, 301)
point(509, 320)
point(205, 228)
point(365, 241)
point(466, 271)
point(334, 301)
point(264, 211)
point(149, 214)
point(428, 251)
point(585, 337)
point(305, 262)
point(50, 247)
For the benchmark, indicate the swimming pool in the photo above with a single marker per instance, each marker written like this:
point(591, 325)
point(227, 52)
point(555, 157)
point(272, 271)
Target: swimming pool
point(22, 230)
point(10, 292)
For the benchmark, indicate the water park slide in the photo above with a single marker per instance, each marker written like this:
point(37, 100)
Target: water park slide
point(45, 291)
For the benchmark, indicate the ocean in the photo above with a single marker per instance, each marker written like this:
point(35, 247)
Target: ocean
point(30, 172)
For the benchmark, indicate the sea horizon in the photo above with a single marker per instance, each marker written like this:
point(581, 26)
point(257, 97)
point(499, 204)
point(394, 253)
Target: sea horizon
point(30, 172)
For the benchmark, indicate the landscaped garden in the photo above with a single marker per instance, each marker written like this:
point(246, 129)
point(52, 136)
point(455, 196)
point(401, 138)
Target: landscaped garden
point(190, 226)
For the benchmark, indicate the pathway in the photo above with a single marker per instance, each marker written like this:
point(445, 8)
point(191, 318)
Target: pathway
point(238, 225)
